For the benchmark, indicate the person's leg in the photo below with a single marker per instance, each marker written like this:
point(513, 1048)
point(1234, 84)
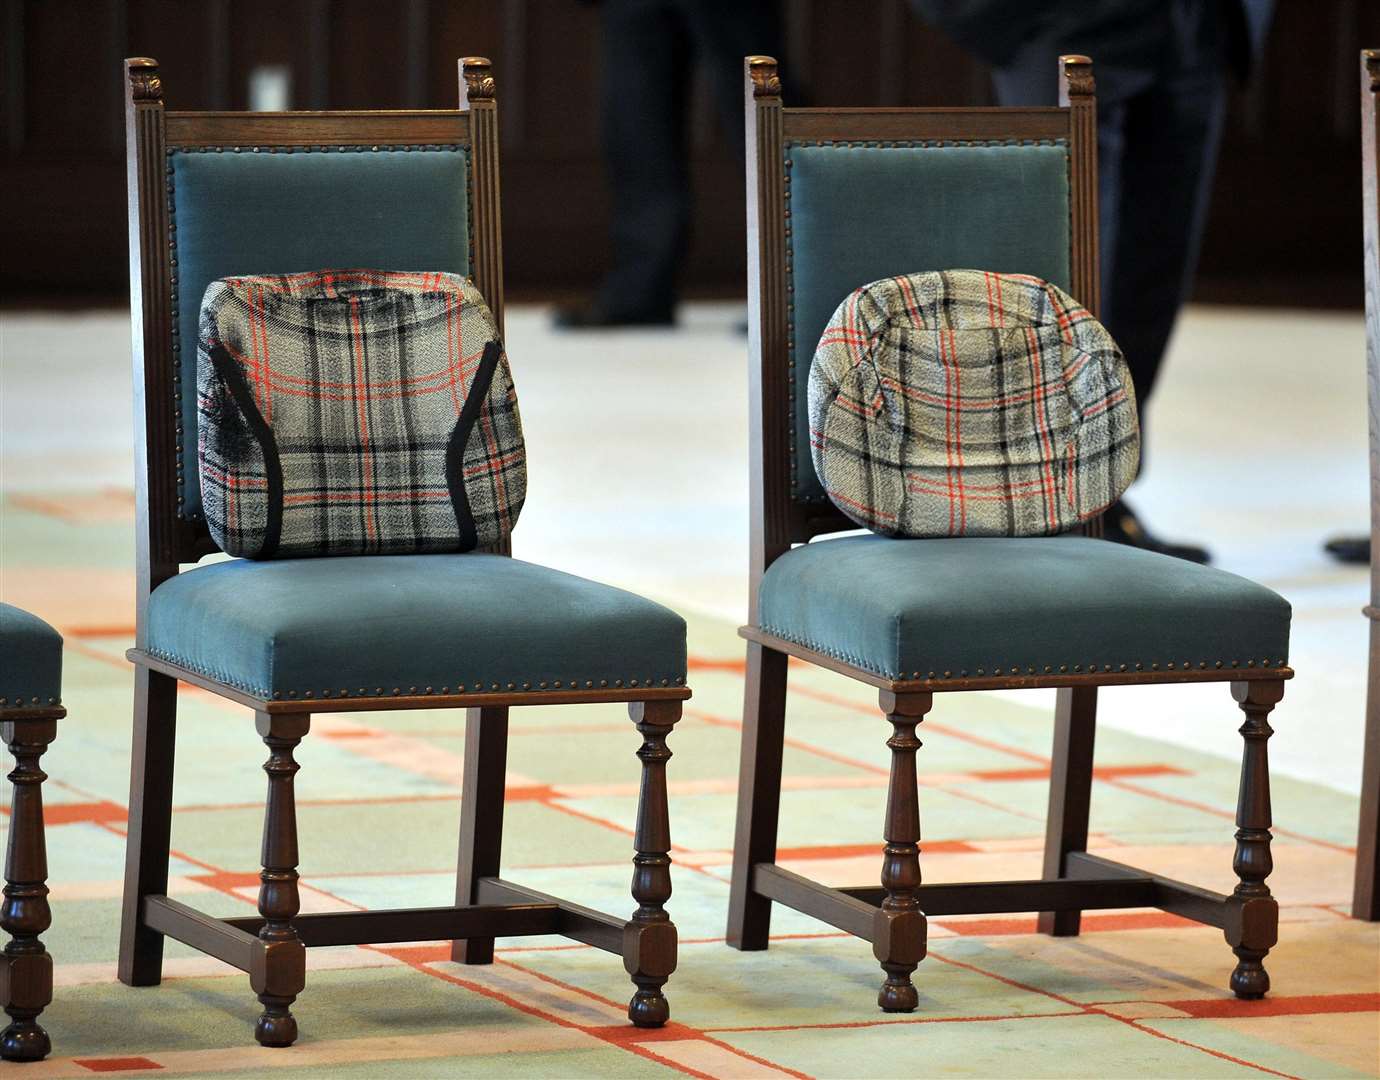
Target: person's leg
point(1172, 132)
point(1157, 141)
point(645, 70)
point(1035, 83)
point(726, 31)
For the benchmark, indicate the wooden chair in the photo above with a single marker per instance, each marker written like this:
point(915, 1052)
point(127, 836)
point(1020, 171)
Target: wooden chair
point(212, 194)
point(30, 707)
point(840, 197)
point(1365, 900)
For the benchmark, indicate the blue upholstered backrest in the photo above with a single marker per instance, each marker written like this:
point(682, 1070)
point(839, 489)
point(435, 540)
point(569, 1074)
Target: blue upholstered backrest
point(864, 211)
point(285, 210)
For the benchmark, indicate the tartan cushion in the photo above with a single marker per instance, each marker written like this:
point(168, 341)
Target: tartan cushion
point(355, 412)
point(970, 403)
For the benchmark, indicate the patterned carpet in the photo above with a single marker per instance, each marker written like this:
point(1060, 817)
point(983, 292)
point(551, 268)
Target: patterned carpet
point(1140, 993)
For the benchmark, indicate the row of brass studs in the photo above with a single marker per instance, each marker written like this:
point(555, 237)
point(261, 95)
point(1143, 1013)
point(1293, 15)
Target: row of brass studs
point(18, 702)
point(921, 144)
point(1030, 669)
point(461, 688)
point(397, 691)
point(382, 147)
point(1063, 669)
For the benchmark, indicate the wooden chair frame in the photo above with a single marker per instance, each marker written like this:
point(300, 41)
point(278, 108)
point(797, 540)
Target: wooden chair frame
point(893, 916)
point(26, 969)
point(271, 947)
point(1365, 900)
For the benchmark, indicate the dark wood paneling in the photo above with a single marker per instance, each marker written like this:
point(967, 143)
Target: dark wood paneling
point(1283, 218)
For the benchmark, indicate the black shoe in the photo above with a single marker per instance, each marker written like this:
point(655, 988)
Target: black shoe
point(596, 317)
point(1349, 549)
point(1121, 526)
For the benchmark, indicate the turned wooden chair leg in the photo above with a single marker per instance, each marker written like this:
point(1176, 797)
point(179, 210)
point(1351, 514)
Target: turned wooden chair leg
point(481, 818)
point(27, 968)
point(1252, 926)
point(1365, 896)
point(1070, 795)
point(150, 824)
point(899, 929)
point(280, 967)
point(759, 794)
point(649, 938)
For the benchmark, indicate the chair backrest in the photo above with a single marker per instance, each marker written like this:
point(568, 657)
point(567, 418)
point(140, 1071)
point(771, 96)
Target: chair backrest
point(221, 193)
point(840, 197)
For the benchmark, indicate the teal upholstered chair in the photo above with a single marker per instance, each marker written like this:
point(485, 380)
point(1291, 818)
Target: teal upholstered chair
point(216, 194)
point(838, 198)
point(30, 707)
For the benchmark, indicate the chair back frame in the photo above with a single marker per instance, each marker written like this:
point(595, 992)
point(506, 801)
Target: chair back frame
point(779, 519)
point(165, 539)
point(1366, 890)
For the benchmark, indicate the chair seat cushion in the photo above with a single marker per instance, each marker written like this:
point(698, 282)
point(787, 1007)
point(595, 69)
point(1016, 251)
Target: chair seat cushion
point(386, 625)
point(30, 661)
point(979, 607)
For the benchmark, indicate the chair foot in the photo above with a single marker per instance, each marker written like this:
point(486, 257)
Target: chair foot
point(1250, 980)
point(898, 993)
point(24, 1040)
point(649, 1007)
point(277, 1026)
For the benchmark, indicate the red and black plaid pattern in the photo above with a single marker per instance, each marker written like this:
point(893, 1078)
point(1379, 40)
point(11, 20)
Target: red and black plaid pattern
point(968, 403)
point(348, 412)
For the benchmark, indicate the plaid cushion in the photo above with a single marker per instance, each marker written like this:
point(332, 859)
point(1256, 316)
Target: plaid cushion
point(967, 403)
point(353, 412)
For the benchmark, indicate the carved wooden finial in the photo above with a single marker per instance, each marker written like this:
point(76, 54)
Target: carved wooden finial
point(1078, 75)
point(478, 74)
point(1370, 60)
point(144, 83)
point(765, 80)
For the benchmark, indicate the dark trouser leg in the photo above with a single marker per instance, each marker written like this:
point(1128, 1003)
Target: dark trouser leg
point(24, 914)
point(646, 76)
point(1157, 141)
point(725, 31)
point(1171, 133)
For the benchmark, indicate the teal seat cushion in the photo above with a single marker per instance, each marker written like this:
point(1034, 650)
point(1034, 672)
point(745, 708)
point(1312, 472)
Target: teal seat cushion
point(387, 625)
point(979, 607)
point(30, 661)
point(860, 212)
point(252, 212)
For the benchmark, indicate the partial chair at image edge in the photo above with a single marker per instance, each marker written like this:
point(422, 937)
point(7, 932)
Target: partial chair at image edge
point(1365, 903)
point(799, 161)
point(30, 708)
point(437, 155)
